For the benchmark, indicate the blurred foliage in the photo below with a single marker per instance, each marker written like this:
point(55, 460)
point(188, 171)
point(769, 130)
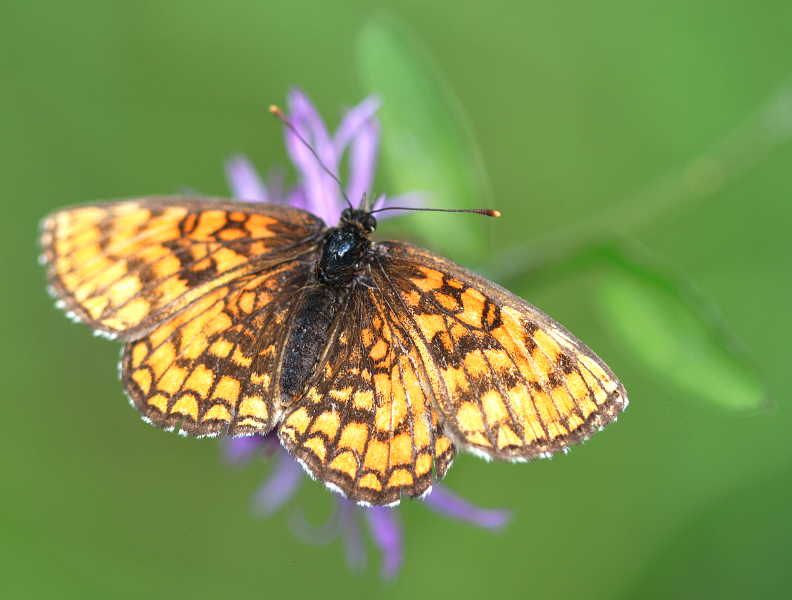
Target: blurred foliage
point(427, 142)
point(666, 123)
point(661, 319)
point(701, 560)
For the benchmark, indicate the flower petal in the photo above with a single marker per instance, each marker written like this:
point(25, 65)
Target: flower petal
point(348, 128)
point(321, 191)
point(241, 450)
point(352, 537)
point(446, 503)
point(296, 198)
point(281, 485)
point(363, 160)
point(274, 184)
point(244, 181)
point(386, 532)
point(309, 123)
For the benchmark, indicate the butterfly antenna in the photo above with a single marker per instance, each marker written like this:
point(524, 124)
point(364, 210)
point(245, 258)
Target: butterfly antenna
point(279, 114)
point(487, 212)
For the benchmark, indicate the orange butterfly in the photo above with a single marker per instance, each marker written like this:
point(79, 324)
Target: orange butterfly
point(375, 361)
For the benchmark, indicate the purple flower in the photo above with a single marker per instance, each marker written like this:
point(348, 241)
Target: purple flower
point(318, 192)
point(383, 523)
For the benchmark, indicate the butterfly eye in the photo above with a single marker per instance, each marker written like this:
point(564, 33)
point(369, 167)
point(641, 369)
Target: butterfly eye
point(369, 223)
point(346, 214)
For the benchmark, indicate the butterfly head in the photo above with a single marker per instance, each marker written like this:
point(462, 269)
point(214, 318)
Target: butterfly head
point(359, 218)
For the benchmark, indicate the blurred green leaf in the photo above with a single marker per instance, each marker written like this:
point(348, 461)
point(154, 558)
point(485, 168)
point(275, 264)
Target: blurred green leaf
point(427, 142)
point(664, 322)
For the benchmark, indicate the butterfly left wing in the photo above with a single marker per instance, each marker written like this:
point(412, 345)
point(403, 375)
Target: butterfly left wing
point(200, 288)
point(508, 382)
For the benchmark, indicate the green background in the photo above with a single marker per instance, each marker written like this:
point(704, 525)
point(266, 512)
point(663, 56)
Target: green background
point(577, 106)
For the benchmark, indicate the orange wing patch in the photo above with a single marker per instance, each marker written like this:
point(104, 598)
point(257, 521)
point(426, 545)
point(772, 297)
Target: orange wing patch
point(124, 267)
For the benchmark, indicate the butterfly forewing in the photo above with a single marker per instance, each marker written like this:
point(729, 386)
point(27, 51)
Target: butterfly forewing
point(508, 381)
point(125, 267)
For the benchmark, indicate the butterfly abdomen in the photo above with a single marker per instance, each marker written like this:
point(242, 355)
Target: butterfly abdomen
point(308, 336)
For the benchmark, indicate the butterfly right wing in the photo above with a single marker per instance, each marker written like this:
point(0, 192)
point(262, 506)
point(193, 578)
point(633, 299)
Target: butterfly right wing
point(508, 381)
point(216, 364)
point(125, 267)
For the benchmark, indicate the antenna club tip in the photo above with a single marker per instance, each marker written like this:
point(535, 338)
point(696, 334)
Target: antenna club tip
point(495, 213)
point(277, 111)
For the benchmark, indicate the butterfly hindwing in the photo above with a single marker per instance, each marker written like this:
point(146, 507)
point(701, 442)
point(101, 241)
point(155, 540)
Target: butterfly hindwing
point(366, 424)
point(125, 267)
point(215, 364)
point(508, 381)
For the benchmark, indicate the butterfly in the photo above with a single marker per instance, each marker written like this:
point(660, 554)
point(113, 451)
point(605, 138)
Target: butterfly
point(375, 361)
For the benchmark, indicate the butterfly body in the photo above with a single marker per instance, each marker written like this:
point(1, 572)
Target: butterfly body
point(314, 315)
point(343, 254)
point(374, 361)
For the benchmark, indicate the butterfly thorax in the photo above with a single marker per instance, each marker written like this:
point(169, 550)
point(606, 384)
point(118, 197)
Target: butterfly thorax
point(344, 252)
point(345, 248)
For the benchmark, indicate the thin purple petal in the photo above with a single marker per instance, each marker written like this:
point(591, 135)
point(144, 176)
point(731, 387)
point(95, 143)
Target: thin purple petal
point(244, 181)
point(386, 533)
point(363, 160)
point(351, 536)
point(241, 450)
point(447, 504)
point(348, 128)
point(296, 198)
point(322, 192)
point(306, 120)
point(310, 122)
point(281, 485)
point(379, 202)
point(276, 176)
